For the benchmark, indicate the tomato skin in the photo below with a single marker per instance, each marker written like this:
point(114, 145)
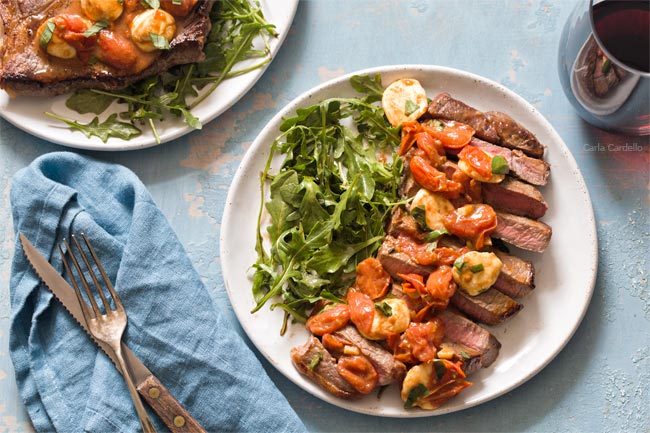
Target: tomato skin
point(359, 372)
point(480, 161)
point(372, 278)
point(420, 341)
point(362, 310)
point(179, 10)
point(431, 147)
point(441, 285)
point(330, 320)
point(433, 179)
point(472, 221)
point(452, 135)
point(116, 51)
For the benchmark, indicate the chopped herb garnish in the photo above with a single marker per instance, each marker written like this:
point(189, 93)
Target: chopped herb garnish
point(410, 107)
point(476, 268)
point(464, 354)
point(384, 308)
point(95, 28)
point(48, 32)
point(159, 41)
point(318, 357)
point(438, 124)
point(607, 64)
point(439, 367)
point(381, 390)
point(459, 264)
point(499, 165)
point(435, 234)
point(420, 216)
point(177, 2)
point(415, 394)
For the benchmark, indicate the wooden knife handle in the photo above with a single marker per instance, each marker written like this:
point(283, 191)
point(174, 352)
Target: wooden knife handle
point(167, 407)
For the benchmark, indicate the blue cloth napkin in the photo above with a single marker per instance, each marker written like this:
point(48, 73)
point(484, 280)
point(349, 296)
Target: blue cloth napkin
point(67, 383)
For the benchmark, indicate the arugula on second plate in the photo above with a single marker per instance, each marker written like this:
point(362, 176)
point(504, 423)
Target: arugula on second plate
point(328, 201)
point(236, 24)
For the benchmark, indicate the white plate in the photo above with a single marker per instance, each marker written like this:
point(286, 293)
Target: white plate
point(27, 113)
point(565, 275)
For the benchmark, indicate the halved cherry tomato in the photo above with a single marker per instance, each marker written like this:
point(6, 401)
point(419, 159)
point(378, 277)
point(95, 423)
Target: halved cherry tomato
point(372, 278)
point(441, 285)
point(419, 342)
point(431, 147)
point(416, 250)
point(480, 161)
point(472, 221)
point(359, 372)
point(447, 256)
point(452, 135)
point(329, 320)
point(362, 310)
point(433, 179)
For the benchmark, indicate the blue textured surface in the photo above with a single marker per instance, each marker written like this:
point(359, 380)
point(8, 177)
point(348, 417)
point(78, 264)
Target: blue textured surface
point(600, 381)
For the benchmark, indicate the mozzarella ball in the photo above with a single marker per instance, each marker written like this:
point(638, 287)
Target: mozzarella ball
point(397, 322)
point(108, 10)
point(478, 272)
point(421, 374)
point(404, 100)
point(57, 46)
point(435, 207)
point(154, 21)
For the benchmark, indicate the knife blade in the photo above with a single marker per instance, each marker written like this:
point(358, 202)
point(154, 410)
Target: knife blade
point(170, 410)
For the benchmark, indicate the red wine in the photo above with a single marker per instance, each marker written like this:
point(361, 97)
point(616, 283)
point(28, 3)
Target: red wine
point(623, 27)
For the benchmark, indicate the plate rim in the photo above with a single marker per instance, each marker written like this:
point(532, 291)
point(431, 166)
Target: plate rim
point(179, 129)
point(304, 98)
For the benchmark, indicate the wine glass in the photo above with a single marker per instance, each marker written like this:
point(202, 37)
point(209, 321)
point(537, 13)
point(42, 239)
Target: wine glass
point(603, 64)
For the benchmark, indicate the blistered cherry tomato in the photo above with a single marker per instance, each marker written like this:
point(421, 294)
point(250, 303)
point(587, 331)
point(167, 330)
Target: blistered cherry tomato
point(441, 285)
point(480, 161)
point(331, 319)
point(372, 279)
point(178, 9)
point(116, 51)
point(362, 310)
point(420, 341)
point(359, 372)
point(452, 135)
point(472, 221)
point(433, 179)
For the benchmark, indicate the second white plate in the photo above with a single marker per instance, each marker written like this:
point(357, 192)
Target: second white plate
point(551, 314)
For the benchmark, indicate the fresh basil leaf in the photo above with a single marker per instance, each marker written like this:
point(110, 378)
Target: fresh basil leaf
point(415, 394)
point(88, 101)
point(95, 28)
point(384, 308)
point(499, 165)
point(159, 41)
point(48, 32)
point(153, 4)
point(439, 367)
point(410, 107)
point(420, 216)
point(476, 268)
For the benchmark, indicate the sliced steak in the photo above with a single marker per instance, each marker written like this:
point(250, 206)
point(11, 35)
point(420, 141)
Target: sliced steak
point(315, 362)
point(388, 368)
point(514, 135)
point(522, 232)
point(402, 222)
point(493, 126)
point(517, 277)
point(471, 358)
point(25, 70)
point(446, 107)
point(459, 329)
point(395, 262)
point(490, 307)
point(515, 197)
point(532, 170)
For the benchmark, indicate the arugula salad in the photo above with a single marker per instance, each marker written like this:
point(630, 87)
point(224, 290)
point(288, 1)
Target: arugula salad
point(231, 50)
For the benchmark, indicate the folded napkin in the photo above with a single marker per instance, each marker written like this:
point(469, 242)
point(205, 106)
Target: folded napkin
point(67, 383)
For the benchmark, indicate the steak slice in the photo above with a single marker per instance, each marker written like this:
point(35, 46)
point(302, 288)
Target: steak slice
point(446, 107)
point(25, 70)
point(324, 371)
point(515, 197)
point(522, 232)
point(395, 262)
point(517, 276)
point(460, 330)
point(493, 126)
point(532, 170)
point(490, 307)
point(388, 368)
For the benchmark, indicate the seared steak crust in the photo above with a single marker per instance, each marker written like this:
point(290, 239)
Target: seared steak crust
point(490, 307)
point(25, 70)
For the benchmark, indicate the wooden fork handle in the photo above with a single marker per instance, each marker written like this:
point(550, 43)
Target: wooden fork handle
point(167, 407)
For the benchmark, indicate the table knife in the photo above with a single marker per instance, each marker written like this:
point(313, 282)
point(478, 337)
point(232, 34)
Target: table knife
point(170, 410)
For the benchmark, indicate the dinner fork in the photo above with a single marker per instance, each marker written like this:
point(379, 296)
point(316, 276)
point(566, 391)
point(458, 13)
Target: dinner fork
point(107, 327)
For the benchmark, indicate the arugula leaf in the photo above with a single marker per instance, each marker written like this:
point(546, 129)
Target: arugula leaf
point(368, 85)
point(89, 101)
point(110, 127)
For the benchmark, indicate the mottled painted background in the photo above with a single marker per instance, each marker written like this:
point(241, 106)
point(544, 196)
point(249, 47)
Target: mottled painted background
point(599, 382)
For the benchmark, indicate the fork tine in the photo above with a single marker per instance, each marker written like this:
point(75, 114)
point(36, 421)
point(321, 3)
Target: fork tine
point(66, 264)
point(107, 281)
point(81, 278)
point(107, 306)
